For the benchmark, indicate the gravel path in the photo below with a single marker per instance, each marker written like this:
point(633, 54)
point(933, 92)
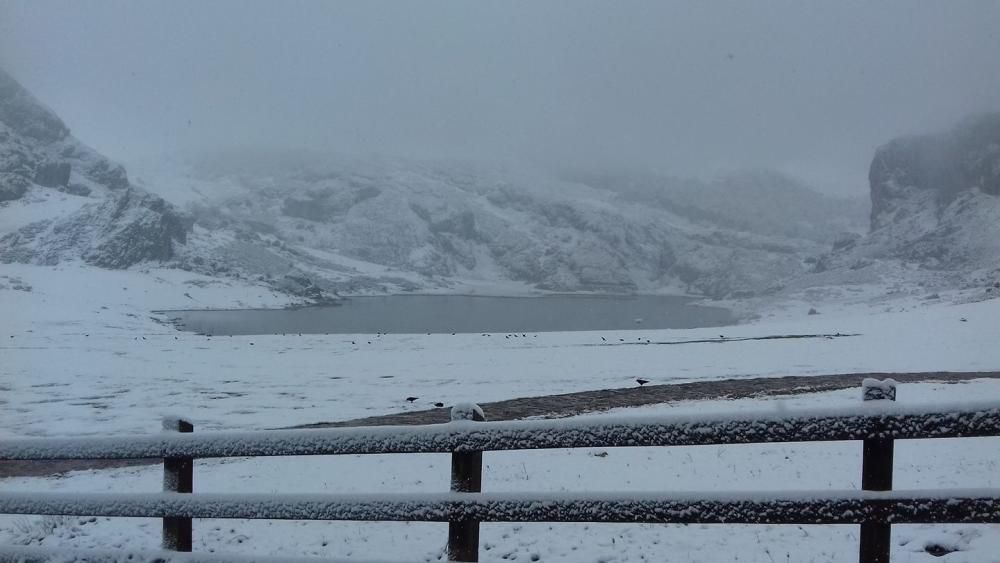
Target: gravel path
point(569, 404)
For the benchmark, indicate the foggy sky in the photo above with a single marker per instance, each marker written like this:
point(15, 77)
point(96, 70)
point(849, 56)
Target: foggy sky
point(688, 88)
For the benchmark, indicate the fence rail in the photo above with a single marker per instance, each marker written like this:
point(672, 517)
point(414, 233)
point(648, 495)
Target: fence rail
point(878, 422)
point(817, 507)
point(862, 422)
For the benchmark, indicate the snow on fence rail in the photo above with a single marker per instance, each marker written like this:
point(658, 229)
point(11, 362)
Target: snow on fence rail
point(26, 554)
point(973, 506)
point(854, 423)
point(877, 422)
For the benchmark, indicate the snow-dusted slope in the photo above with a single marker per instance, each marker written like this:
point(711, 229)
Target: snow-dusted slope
point(935, 210)
point(337, 220)
point(60, 200)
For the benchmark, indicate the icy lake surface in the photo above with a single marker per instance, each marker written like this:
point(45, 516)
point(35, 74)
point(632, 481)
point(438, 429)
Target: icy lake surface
point(463, 313)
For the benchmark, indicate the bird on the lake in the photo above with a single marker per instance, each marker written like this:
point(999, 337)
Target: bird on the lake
point(722, 337)
point(411, 399)
point(621, 340)
point(964, 320)
point(604, 339)
point(439, 405)
point(251, 343)
point(641, 381)
point(353, 343)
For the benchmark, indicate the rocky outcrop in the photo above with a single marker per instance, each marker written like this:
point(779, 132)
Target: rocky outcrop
point(125, 229)
point(118, 225)
point(924, 174)
point(935, 204)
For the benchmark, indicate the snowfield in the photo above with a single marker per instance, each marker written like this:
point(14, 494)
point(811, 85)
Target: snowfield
point(82, 354)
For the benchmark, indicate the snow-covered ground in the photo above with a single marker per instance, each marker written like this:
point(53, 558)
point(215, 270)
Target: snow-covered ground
point(81, 353)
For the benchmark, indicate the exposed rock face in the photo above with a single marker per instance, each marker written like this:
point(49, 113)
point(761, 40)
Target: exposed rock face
point(935, 203)
point(53, 174)
point(116, 226)
point(921, 174)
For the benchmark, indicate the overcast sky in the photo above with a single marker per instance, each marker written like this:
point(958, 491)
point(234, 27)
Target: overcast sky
point(691, 88)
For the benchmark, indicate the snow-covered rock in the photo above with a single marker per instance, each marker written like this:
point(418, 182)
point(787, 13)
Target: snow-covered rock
point(111, 225)
point(935, 207)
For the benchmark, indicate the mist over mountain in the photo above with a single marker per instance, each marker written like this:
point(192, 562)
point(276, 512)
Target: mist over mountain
point(315, 225)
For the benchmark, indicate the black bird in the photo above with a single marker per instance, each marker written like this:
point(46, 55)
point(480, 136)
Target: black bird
point(411, 399)
point(352, 342)
point(251, 343)
point(641, 381)
point(963, 319)
point(621, 340)
point(439, 405)
point(604, 339)
point(722, 337)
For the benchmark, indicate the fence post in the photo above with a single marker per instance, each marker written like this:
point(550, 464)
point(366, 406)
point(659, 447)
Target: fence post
point(876, 475)
point(466, 477)
point(178, 477)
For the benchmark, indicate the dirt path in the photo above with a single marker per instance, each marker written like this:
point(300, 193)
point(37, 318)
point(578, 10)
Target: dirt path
point(568, 404)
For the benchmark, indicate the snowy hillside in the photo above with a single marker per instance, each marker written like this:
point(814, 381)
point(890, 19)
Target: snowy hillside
point(935, 211)
point(60, 200)
point(455, 223)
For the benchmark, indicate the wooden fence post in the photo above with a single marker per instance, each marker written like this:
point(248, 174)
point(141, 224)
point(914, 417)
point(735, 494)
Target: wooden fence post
point(466, 477)
point(178, 477)
point(876, 475)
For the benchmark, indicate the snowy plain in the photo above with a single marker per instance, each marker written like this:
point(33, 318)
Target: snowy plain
point(83, 354)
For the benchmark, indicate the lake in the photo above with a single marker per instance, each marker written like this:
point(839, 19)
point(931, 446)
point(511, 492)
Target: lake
point(462, 313)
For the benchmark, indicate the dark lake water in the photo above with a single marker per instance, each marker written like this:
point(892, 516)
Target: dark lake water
point(462, 313)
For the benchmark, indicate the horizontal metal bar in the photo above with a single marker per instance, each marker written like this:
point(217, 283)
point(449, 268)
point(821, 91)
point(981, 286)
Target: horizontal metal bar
point(24, 554)
point(807, 507)
point(855, 423)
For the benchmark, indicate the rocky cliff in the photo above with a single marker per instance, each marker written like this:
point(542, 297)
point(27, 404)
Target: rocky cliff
point(66, 201)
point(935, 204)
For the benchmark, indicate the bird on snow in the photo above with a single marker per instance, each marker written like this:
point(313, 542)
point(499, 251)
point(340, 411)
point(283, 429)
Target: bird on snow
point(411, 399)
point(604, 339)
point(439, 405)
point(641, 381)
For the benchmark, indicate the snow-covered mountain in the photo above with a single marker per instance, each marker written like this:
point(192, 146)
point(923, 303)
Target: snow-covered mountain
point(314, 225)
point(935, 207)
point(62, 200)
point(346, 224)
